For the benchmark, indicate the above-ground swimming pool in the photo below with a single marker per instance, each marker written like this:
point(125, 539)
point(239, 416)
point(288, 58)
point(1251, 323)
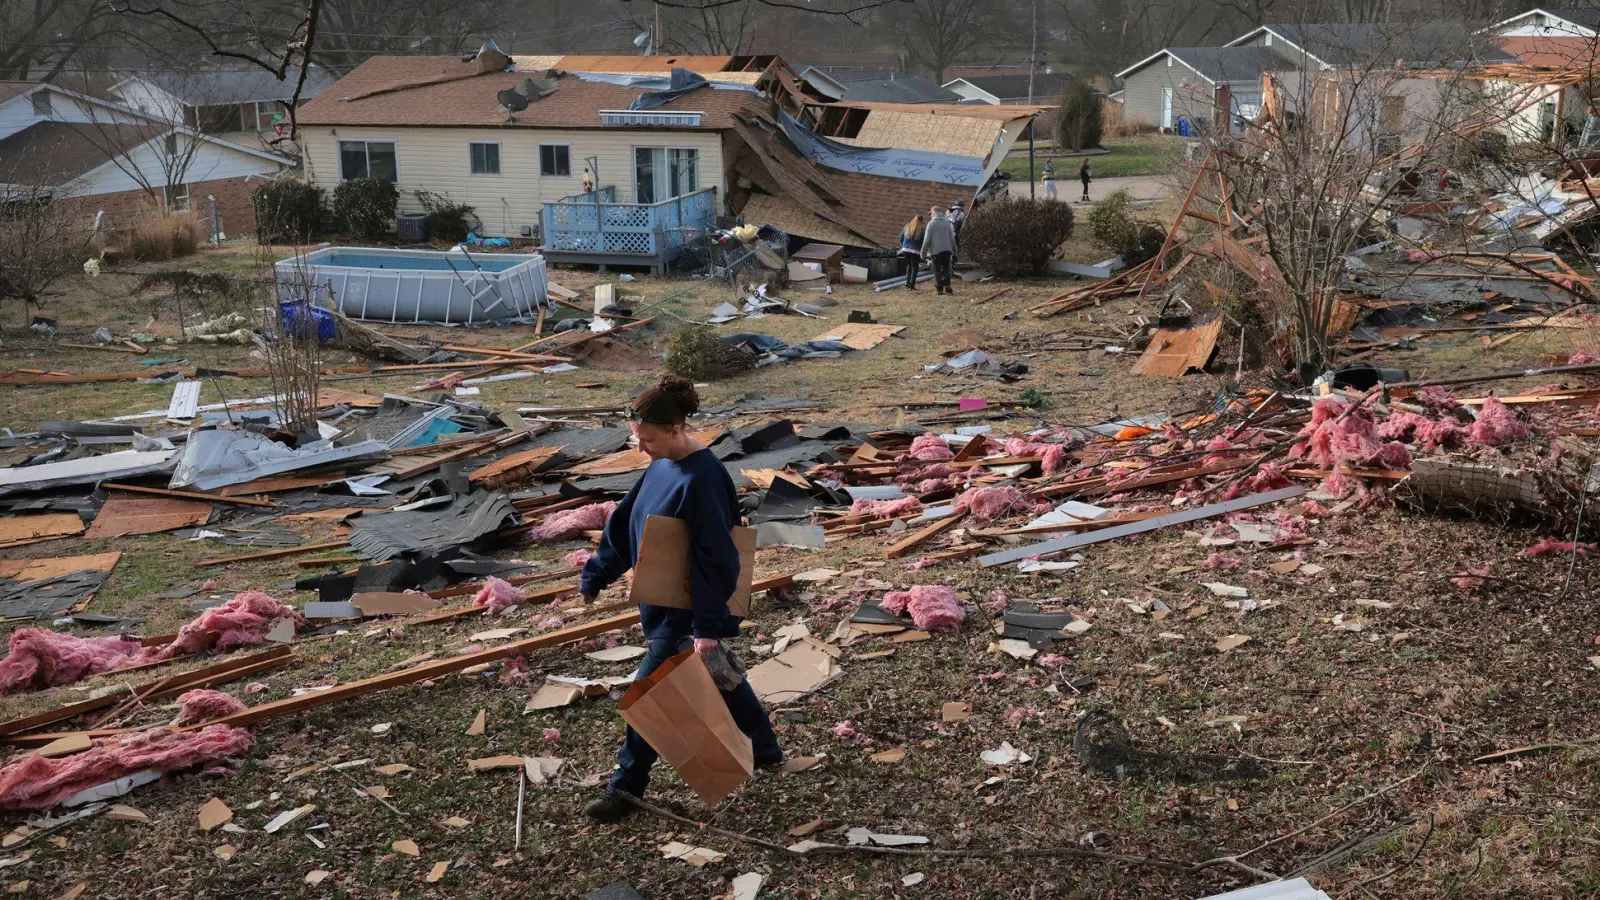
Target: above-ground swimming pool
point(419, 285)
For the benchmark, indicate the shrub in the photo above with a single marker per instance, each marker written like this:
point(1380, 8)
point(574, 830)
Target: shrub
point(287, 210)
point(159, 233)
point(1016, 237)
point(694, 352)
point(447, 221)
point(1113, 227)
point(365, 207)
point(1078, 122)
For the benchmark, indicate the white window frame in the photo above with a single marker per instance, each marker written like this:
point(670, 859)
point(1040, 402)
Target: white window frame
point(499, 159)
point(666, 149)
point(339, 153)
point(176, 197)
point(544, 144)
point(48, 106)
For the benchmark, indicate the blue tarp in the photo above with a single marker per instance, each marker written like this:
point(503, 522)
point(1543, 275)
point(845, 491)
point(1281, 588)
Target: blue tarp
point(918, 165)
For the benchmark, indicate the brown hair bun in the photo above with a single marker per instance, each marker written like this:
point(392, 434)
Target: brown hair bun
point(671, 402)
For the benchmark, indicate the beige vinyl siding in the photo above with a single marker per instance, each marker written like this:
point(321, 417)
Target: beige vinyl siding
point(438, 160)
point(1192, 95)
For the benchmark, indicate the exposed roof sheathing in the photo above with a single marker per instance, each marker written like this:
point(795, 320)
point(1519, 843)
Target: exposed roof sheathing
point(794, 219)
point(954, 135)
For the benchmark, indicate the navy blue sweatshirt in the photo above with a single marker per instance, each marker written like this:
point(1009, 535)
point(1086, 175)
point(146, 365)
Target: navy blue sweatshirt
point(697, 490)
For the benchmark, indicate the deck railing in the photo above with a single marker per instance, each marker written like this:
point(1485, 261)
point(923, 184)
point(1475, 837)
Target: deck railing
point(597, 225)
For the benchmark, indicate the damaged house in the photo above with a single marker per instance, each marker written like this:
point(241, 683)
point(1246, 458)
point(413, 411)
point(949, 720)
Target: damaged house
point(620, 160)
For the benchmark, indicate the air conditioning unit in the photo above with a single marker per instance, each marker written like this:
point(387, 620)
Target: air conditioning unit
point(412, 227)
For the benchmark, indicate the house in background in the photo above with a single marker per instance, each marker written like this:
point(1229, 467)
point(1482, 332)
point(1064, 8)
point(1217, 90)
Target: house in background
point(104, 158)
point(218, 101)
point(1000, 90)
point(666, 151)
point(892, 89)
point(1556, 42)
point(1186, 90)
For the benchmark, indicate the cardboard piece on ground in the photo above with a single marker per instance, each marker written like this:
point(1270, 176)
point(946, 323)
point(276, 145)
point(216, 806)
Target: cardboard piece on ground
point(72, 743)
point(801, 763)
point(438, 870)
point(694, 856)
point(18, 530)
point(616, 654)
point(553, 696)
point(890, 756)
point(661, 576)
point(957, 711)
point(387, 603)
point(680, 712)
point(214, 813)
point(859, 336)
point(804, 666)
point(478, 724)
point(494, 762)
point(409, 848)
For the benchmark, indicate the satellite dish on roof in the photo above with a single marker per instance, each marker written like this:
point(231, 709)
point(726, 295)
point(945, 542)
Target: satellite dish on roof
point(512, 101)
point(517, 99)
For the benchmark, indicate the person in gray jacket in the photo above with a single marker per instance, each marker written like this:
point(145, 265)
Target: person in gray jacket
point(939, 245)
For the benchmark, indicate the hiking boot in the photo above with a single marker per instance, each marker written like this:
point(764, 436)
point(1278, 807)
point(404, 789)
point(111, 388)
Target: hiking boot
point(609, 808)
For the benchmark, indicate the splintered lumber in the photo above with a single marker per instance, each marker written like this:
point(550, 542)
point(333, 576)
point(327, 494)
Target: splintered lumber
point(172, 685)
point(185, 495)
point(102, 347)
point(1000, 293)
point(1073, 541)
point(906, 544)
point(465, 452)
point(429, 670)
point(273, 554)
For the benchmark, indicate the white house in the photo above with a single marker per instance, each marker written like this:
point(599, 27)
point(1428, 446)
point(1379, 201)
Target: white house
point(219, 101)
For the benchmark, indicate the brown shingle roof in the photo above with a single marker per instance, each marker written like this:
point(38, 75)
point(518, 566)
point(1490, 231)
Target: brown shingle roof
point(383, 95)
point(49, 154)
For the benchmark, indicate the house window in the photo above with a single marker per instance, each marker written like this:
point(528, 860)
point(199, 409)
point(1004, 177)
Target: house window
point(41, 103)
point(555, 160)
point(177, 197)
point(661, 173)
point(268, 114)
point(485, 157)
point(172, 145)
point(368, 159)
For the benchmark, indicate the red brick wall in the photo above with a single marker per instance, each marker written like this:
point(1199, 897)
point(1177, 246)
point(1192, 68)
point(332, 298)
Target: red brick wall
point(233, 205)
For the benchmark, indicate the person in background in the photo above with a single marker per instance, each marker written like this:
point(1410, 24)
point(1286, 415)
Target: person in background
point(1049, 177)
point(911, 249)
point(1083, 176)
point(958, 217)
point(939, 245)
point(685, 480)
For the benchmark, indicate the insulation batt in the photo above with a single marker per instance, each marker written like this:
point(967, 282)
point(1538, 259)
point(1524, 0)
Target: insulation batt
point(930, 446)
point(1351, 441)
point(1429, 434)
point(38, 783)
point(498, 595)
point(886, 509)
point(1055, 455)
point(933, 608)
point(205, 705)
point(1497, 425)
point(573, 522)
point(1551, 545)
point(41, 658)
point(985, 504)
point(241, 622)
point(577, 558)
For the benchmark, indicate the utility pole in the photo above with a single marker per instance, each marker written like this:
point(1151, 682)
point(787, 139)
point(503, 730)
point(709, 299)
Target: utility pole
point(1033, 53)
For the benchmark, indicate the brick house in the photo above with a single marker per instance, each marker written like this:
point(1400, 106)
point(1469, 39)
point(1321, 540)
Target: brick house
point(111, 161)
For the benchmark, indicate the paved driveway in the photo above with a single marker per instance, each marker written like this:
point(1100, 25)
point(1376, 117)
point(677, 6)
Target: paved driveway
point(1140, 187)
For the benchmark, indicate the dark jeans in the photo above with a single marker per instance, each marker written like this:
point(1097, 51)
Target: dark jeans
point(636, 756)
point(941, 269)
point(1086, 188)
point(913, 265)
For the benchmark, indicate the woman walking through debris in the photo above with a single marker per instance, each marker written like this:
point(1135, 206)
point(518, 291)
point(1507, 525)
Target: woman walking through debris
point(1083, 176)
point(911, 249)
point(939, 245)
point(685, 480)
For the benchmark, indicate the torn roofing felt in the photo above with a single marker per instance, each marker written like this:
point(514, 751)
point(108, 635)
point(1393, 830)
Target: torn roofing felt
point(465, 518)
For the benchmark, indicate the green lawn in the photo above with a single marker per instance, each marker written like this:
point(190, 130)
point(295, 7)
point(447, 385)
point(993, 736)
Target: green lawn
point(1135, 156)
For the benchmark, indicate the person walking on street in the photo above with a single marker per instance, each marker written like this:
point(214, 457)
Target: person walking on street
point(911, 250)
point(684, 480)
point(939, 245)
point(1083, 176)
point(1049, 176)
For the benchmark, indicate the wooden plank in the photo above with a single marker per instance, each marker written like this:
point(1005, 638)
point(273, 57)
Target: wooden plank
point(1000, 293)
point(272, 554)
point(1174, 351)
point(423, 672)
point(190, 495)
point(905, 544)
point(122, 515)
point(428, 465)
point(1179, 518)
point(101, 347)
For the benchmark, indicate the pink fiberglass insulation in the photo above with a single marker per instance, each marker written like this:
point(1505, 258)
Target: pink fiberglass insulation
point(844, 731)
point(1423, 256)
point(570, 523)
point(933, 608)
point(41, 658)
point(985, 504)
point(1551, 545)
point(930, 446)
point(1581, 358)
point(1349, 441)
point(1055, 455)
point(1429, 434)
point(498, 595)
point(577, 558)
point(1497, 425)
point(205, 705)
point(885, 509)
point(241, 622)
point(36, 782)
point(1438, 397)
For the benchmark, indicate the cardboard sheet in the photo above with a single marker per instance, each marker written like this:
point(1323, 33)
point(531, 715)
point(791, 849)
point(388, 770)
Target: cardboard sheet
point(859, 336)
point(661, 575)
point(806, 665)
point(385, 603)
point(678, 709)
